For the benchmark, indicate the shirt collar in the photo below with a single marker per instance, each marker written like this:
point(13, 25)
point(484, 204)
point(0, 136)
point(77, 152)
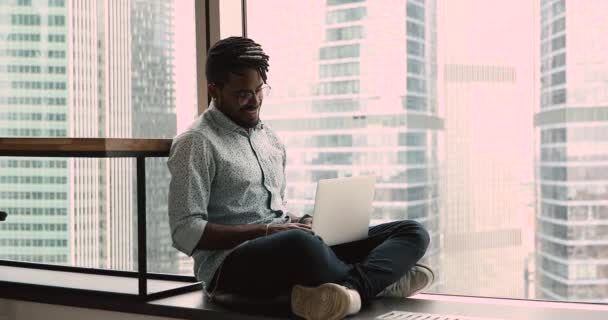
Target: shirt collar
point(223, 121)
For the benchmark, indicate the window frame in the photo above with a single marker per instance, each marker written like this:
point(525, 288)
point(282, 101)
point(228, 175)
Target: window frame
point(210, 26)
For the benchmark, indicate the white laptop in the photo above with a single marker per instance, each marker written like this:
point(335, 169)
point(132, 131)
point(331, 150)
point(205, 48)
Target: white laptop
point(342, 209)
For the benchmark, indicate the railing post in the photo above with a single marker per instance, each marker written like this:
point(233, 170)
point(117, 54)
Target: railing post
point(142, 267)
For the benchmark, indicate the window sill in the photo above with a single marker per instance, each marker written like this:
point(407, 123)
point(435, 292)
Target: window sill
point(94, 283)
point(108, 293)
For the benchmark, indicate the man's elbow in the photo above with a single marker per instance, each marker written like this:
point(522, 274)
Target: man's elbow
point(185, 238)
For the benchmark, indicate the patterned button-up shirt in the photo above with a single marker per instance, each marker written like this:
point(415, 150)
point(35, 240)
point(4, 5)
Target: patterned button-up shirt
point(222, 173)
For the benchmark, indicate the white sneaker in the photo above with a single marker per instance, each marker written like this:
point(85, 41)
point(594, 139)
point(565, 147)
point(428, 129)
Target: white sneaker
point(328, 301)
point(419, 278)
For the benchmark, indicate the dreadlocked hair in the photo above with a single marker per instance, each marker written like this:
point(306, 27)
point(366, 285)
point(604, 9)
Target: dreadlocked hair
point(232, 55)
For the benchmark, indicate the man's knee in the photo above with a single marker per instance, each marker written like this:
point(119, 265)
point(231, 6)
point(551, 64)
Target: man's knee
point(415, 229)
point(313, 258)
point(305, 248)
point(302, 241)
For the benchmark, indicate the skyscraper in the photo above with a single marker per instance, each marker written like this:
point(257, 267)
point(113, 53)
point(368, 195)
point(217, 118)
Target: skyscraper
point(154, 115)
point(481, 181)
point(571, 134)
point(487, 98)
point(369, 106)
point(34, 94)
point(103, 205)
point(127, 49)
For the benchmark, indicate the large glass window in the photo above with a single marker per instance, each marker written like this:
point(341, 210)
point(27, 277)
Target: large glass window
point(71, 69)
point(509, 176)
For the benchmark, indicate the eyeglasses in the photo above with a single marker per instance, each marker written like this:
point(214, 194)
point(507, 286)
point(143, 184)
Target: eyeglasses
point(245, 96)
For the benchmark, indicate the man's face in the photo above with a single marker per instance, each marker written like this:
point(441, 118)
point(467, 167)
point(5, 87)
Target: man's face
point(240, 99)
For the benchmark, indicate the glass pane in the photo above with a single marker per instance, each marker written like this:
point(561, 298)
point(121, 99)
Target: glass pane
point(460, 111)
point(91, 69)
point(356, 106)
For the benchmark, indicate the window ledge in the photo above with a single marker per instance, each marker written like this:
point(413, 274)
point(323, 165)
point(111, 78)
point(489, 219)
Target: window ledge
point(93, 283)
point(108, 293)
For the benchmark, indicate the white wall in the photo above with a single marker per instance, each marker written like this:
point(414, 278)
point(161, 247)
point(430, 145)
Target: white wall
point(19, 310)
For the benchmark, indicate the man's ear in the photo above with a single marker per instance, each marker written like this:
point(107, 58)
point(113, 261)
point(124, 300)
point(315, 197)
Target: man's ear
point(214, 90)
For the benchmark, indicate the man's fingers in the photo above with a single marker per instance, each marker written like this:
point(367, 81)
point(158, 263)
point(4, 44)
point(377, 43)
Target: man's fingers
point(301, 225)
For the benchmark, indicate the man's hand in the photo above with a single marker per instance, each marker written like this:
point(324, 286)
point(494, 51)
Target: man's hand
point(295, 219)
point(307, 221)
point(276, 228)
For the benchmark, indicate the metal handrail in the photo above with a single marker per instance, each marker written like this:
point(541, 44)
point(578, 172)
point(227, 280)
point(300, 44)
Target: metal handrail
point(99, 148)
point(84, 147)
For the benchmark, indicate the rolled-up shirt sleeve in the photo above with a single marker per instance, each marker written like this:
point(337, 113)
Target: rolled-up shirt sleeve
point(192, 169)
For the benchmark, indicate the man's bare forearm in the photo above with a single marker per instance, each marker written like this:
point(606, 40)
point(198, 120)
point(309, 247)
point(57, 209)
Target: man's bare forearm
point(222, 236)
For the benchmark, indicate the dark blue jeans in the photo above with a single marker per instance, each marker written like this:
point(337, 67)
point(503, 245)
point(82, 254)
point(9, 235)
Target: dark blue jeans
point(271, 266)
